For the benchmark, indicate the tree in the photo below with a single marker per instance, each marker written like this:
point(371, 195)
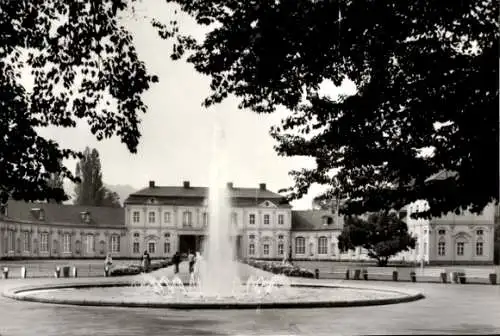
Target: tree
point(383, 235)
point(426, 78)
point(84, 66)
point(55, 181)
point(90, 191)
point(111, 199)
point(319, 203)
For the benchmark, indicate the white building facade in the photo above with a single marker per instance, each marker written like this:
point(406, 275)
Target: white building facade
point(164, 220)
point(465, 238)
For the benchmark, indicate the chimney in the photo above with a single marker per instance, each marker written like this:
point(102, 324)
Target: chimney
point(151, 184)
point(186, 184)
point(262, 186)
point(229, 185)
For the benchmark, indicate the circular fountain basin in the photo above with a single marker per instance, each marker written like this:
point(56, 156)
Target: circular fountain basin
point(120, 294)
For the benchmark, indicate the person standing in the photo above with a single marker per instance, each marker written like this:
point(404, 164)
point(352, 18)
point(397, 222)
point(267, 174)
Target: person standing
point(108, 262)
point(145, 261)
point(176, 260)
point(191, 261)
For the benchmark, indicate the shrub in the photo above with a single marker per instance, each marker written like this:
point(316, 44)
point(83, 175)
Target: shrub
point(280, 268)
point(137, 269)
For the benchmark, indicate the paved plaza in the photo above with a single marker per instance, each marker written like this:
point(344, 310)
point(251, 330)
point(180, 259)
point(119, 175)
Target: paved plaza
point(447, 309)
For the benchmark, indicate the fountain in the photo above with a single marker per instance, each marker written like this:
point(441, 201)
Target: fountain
point(215, 284)
point(218, 252)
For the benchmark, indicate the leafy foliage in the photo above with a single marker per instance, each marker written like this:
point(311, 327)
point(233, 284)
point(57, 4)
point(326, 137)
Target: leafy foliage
point(55, 181)
point(111, 199)
point(319, 203)
point(91, 190)
point(426, 77)
point(383, 235)
point(84, 67)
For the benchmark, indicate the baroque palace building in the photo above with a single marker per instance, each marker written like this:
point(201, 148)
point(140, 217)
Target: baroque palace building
point(166, 219)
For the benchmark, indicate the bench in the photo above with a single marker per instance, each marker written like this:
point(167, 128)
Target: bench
point(474, 274)
point(336, 272)
point(385, 273)
point(432, 273)
point(47, 270)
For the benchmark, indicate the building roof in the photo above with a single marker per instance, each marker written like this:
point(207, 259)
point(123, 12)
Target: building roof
point(313, 220)
point(179, 194)
point(65, 214)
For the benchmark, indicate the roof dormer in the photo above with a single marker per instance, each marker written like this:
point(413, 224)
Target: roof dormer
point(327, 220)
point(38, 213)
point(85, 216)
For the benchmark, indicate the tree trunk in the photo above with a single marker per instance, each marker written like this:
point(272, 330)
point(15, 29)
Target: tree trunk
point(382, 262)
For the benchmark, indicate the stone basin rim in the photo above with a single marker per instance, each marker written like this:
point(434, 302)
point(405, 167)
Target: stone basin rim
point(405, 295)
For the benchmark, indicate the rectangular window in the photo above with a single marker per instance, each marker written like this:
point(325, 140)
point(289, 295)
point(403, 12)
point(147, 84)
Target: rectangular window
point(479, 232)
point(67, 243)
point(115, 243)
point(152, 247)
point(90, 244)
point(136, 216)
point(441, 248)
point(300, 245)
point(151, 217)
point(251, 249)
point(416, 249)
point(166, 247)
point(460, 248)
point(166, 217)
point(322, 245)
point(26, 241)
point(425, 248)
point(251, 219)
point(266, 219)
point(234, 218)
point(44, 242)
point(187, 219)
point(479, 248)
point(135, 247)
point(12, 240)
point(281, 219)
point(266, 249)
point(281, 248)
point(205, 219)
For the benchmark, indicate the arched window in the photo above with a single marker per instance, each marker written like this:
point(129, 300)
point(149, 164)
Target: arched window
point(322, 245)
point(115, 243)
point(67, 243)
point(300, 245)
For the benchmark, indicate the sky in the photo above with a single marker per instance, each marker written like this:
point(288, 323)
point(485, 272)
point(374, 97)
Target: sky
point(176, 142)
